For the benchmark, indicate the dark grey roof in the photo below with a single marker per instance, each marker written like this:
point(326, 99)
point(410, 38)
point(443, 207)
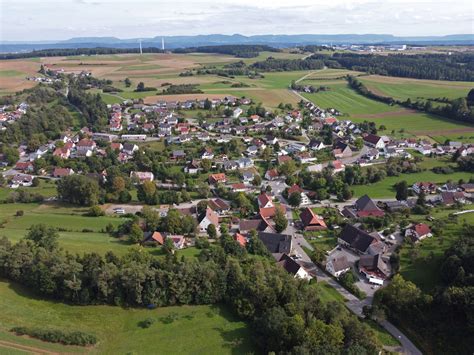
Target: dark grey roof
point(357, 238)
point(289, 264)
point(340, 263)
point(365, 203)
point(276, 243)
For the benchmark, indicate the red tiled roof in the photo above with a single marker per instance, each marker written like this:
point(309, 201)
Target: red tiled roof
point(294, 188)
point(263, 199)
point(158, 237)
point(239, 238)
point(372, 138)
point(311, 219)
point(421, 229)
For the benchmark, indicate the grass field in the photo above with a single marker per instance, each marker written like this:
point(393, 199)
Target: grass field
point(70, 220)
point(425, 270)
point(200, 329)
point(404, 88)
point(346, 100)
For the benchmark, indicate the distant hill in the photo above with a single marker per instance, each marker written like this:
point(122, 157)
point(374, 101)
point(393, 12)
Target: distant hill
point(279, 41)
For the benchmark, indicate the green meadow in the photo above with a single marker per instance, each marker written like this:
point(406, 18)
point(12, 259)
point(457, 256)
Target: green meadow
point(200, 329)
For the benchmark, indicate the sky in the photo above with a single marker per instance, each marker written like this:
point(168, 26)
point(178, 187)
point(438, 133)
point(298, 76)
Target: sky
point(30, 20)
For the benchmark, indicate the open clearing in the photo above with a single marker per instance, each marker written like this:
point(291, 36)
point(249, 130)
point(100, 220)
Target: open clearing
point(200, 329)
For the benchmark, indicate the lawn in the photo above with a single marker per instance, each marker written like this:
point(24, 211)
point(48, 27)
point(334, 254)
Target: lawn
point(47, 188)
point(385, 189)
point(71, 224)
point(328, 293)
point(195, 329)
point(10, 73)
point(424, 270)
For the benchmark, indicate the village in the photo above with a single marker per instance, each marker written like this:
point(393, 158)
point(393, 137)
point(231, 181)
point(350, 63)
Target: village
point(268, 152)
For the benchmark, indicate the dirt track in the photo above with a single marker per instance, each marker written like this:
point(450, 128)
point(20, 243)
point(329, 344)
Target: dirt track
point(25, 348)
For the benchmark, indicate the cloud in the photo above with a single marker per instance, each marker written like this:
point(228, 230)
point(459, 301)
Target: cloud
point(149, 18)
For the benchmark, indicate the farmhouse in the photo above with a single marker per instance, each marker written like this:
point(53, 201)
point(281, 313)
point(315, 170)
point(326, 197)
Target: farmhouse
point(338, 265)
point(311, 221)
point(356, 239)
point(363, 207)
point(264, 201)
point(61, 172)
point(210, 217)
point(217, 178)
point(375, 269)
point(374, 141)
point(418, 232)
point(292, 267)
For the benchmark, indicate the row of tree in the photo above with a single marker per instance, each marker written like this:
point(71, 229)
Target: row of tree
point(286, 314)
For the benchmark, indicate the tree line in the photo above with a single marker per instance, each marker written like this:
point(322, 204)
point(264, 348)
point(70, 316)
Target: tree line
point(286, 314)
point(238, 50)
point(442, 321)
point(457, 109)
point(457, 66)
point(273, 64)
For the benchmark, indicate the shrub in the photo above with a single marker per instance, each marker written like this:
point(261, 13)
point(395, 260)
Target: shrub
point(95, 211)
point(19, 213)
point(57, 336)
point(147, 323)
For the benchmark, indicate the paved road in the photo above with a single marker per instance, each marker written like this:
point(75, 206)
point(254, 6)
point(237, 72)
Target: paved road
point(352, 302)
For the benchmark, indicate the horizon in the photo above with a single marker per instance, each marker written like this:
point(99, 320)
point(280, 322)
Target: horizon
point(26, 20)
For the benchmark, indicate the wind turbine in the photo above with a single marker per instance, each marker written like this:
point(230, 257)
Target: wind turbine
point(141, 52)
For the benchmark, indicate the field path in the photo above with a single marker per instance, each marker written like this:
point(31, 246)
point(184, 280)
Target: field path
point(25, 348)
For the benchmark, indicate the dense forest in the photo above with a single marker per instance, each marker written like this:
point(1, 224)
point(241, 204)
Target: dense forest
point(272, 64)
point(67, 52)
point(286, 314)
point(457, 109)
point(445, 318)
point(238, 50)
point(457, 66)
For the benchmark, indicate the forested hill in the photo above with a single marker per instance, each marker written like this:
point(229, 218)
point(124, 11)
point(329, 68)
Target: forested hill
point(457, 66)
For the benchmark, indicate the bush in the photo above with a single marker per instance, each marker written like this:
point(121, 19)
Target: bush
point(95, 211)
point(147, 323)
point(57, 336)
point(19, 213)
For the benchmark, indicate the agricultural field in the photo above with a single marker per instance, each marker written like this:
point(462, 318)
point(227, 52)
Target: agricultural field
point(414, 89)
point(200, 329)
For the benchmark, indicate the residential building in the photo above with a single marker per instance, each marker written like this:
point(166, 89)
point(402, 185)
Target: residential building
point(338, 265)
point(311, 221)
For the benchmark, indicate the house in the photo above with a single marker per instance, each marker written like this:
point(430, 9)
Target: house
point(305, 157)
point(342, 150)
point(292, 267)
point(449, 187)
point(62, 153)
point(426, 187)
point(425, 149)
point(338, 265)
point(85, 145)
point(237, 112)
point(276, 243)
point(239, 238)
point(375, 269)
point(257, 224)
point(418, 232)
point(468, 188)
point(21, 180)
point(337, 166)
point(264, 201)
point(239, 187)
point(252, 150)
point(316, 144)
point(356, 239)
point(207, 154)
point(210, 217)
point(154, 237)
point(192, 167)
point(24, 166)
point(230, 165)
point(217, 178)
point(219, 206)
point(304, 198)
point(374, 141)
point(272, 174)
point(363, 207)
point(178, 241)
point(248, 176)
point(61, 172)
point(142, 176)
point(311, 221)
point(282, 159)
point(130, 148)
point(450, 198)
point(270, 212)
point(245, 163)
